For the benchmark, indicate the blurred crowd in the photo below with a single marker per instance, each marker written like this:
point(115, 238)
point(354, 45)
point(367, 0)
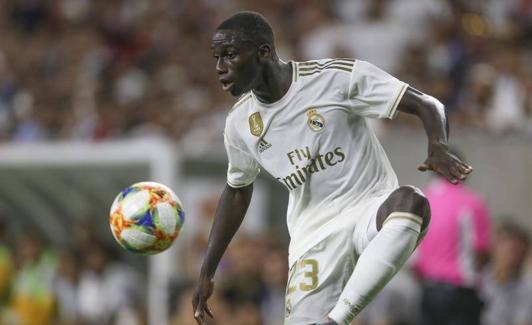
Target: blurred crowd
point(95, 70)
point(82, 282)
point(250, 283)
point(85, 282)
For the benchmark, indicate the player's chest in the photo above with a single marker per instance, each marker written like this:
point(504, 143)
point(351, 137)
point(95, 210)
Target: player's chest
point(295, 134)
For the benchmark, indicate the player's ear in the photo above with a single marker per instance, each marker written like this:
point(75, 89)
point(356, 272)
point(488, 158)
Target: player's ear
point(265, 52)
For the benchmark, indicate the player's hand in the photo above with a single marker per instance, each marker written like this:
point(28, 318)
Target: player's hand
point(443, 162)
point(199, 300)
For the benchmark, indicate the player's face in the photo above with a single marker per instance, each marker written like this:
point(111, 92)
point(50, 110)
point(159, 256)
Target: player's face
point(237, 62)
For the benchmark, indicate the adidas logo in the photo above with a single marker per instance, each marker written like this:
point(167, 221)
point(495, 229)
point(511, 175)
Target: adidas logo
point(264, 145)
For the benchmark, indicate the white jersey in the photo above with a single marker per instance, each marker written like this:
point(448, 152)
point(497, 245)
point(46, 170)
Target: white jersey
point(316, 142)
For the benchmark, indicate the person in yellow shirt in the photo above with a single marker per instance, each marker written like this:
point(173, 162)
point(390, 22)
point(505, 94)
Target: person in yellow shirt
point(6, 264)
point(31, 300)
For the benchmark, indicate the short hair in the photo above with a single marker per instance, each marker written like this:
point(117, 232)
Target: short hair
point(251, 25)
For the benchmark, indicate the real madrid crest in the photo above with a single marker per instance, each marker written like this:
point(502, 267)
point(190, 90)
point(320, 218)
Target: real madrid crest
point(256, 126)
point(315, 121)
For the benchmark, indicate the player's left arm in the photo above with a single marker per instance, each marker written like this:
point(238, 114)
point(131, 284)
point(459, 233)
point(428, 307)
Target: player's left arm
point(432, 113)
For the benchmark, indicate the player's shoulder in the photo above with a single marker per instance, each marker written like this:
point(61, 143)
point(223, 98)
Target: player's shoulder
point(317, 68)
point(242, 102)
point(238, 114)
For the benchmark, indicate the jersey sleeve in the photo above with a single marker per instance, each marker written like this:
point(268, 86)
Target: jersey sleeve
point(242, 168)
point(373, 92)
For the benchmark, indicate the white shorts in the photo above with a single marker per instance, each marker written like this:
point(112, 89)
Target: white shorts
point(317, 279)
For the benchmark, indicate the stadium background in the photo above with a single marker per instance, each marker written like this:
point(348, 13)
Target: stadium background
point(95, 95)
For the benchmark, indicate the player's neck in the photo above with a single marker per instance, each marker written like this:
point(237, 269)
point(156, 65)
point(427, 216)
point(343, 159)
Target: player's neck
point(277, 79)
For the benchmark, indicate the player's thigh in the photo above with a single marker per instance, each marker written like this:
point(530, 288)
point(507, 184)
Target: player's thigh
point(366, 226)
point(317, 279)
point(371, 212)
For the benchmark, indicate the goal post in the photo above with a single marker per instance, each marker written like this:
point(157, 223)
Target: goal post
point(50, 183)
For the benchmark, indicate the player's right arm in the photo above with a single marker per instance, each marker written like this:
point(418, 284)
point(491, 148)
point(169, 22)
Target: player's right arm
point(376, 94)
point(230, 212)
point(234, 202)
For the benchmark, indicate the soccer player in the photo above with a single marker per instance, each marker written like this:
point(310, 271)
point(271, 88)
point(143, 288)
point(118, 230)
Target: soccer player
point(351, 225)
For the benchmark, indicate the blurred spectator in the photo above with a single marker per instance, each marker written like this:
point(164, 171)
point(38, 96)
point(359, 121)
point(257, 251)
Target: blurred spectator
point(28, 127)
point(358, 39)
point(447, 60)
point(274, 273)
point(199, 236)
point(108, 290)
point(251, 285)
point(97, 70)
point(507, 112)
point(83, 284)
point(66, 287)
point(242, 282)
point(507, 295)
point(247, 314)
point(27, 15)
point(7, 95)
point(6, 263)
point(450, 255)
point(479, 94)
point(31, 300)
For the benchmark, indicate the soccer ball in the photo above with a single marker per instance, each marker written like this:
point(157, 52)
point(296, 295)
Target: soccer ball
point(146, 217)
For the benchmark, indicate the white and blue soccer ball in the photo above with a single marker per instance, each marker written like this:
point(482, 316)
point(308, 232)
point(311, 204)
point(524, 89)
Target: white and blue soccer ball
point(146, 217)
